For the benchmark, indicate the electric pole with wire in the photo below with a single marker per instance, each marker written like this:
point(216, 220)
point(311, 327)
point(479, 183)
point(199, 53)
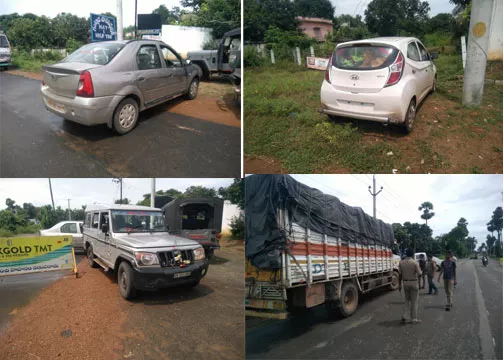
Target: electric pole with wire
point(120, 182)
point(52, 198)
point(374, 194)
point(69, 211)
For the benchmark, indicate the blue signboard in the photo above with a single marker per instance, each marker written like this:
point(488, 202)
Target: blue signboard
point(103, 28)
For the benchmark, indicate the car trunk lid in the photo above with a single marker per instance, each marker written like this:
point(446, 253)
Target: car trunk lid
point(361, 68)
point(63, 78)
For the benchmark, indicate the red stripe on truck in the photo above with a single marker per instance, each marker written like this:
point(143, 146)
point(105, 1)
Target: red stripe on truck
point(304, 248)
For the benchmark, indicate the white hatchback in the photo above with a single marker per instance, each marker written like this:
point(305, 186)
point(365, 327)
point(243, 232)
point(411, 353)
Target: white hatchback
point(381, 79)
point(72, 228)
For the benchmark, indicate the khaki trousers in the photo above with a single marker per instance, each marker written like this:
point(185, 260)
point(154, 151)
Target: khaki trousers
point(448, 285)
point(410, 299)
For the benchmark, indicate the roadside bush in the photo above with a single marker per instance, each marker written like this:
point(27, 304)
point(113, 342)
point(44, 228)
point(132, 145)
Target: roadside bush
point(6, 233)
point(238, 227)
point(211, 45)
point(251, 58)
point(72, 45)
point(51, 55)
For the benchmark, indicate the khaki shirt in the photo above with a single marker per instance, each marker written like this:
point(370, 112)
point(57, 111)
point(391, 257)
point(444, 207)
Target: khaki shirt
point(409, 269)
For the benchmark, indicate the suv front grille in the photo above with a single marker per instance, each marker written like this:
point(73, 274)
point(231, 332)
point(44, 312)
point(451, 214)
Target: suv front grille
point(167, 258)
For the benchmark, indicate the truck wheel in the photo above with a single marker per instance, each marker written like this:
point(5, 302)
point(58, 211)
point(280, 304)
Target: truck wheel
point(90, 257)
point(193, 89)
point(125, 116)
point(349, 299)
point(125, 276)
point(394, 285)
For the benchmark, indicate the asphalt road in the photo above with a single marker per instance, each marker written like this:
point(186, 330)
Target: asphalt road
point(37, 143)
point(471, 330)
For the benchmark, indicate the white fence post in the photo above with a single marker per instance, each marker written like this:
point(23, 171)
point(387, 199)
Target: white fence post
point(312, 51)
point(464, 49)
point(298, 56)
point(272, 56)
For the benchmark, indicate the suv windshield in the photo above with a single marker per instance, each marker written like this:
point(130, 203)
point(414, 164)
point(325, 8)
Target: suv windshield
point(364, 57)
point(97, 53)
point(125, 221)
point(3, 41)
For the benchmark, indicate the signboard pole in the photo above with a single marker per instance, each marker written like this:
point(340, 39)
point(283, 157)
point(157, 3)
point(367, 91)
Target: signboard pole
point(75, 263)
point(119, 20)
point(298, 56)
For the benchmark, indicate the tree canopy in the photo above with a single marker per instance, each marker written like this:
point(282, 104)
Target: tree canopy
point(314, 8)
point(397, 17)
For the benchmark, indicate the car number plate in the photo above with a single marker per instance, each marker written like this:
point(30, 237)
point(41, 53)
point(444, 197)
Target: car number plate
point(181, 275)
point(56, 107)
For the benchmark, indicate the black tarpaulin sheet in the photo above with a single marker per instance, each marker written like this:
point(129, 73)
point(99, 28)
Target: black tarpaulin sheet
point(173, 211)
point(308, 207)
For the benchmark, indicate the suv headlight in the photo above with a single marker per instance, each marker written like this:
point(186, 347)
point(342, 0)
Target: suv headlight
point(146, 259)
point(199, 254)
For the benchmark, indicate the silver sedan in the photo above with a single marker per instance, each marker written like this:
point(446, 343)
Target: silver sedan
point(111, 82)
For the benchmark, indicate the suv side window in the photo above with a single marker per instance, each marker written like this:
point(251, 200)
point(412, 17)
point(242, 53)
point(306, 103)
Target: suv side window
point(148, 58)
point(104, 218)
point(87, 220)
point(171, 59)
point(423, 53)
point(413, 52)
point(94, 224)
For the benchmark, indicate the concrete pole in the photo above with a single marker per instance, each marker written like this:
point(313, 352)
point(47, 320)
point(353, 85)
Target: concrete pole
point(272, 56)
point(464, 50)
point(52, 198)
point(477, 47)
point(298, 56)
point(153, 192)
point(374, 194)
point(312, 51)
point(119, 20)
point(69, 213)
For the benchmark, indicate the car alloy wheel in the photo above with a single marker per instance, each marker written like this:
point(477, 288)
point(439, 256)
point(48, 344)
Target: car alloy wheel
point(410, 116)
point(193, 90)
point(127, 116)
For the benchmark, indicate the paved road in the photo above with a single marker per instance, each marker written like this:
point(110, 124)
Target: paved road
point(468, 331)
point(37, 143)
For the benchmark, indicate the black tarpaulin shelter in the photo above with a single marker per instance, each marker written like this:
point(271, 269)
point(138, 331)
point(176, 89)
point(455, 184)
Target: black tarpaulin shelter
point(306, 206)
point(194, 214)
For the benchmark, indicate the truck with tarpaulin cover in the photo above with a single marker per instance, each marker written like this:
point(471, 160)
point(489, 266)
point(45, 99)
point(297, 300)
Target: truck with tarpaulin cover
point(305, 248)
point(198, 219)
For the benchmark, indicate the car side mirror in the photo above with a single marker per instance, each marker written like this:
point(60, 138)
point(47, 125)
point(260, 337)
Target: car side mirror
point(188, 62)
point(434, 56)
point(105, 228)
point(81, 227)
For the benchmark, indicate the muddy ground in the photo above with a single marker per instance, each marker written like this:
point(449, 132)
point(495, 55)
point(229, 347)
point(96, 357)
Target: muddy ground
point(86, 318)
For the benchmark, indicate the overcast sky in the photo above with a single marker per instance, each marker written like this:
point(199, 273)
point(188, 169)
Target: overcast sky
point(473, 197)
point(86, 191)
point(82, 8)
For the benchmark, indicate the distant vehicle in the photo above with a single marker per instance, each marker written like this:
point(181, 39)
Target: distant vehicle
point(437, 260)
point(5, 52)
point(132, 241)
point(72, 228)
point(111, 82)
point(383, 79)
point(474, 255)
point(198, 219)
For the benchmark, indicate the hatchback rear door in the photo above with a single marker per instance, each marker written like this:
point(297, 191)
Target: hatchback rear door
point(427, 68)
point(362, 67)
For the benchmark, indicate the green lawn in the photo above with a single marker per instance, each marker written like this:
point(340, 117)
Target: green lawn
point(281, 122)
point(25, 62)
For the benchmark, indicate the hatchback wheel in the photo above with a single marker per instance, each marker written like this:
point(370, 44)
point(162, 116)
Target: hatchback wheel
point(410, 117)
point(433, 90)
point(126, 116)
point(193, 89)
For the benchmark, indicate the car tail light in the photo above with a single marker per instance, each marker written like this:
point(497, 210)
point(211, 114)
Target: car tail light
point(327, 75)
point(85, 88)
point(396, 70)
point(218, 236)
point(43, 82)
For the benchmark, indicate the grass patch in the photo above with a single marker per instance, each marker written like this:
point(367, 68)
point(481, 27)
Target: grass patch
point(26, 62)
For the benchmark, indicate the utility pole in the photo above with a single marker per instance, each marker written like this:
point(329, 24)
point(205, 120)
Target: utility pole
point(50, 189)
point(136, 16)
point(477, 48)
point(153, 193)
point(374, 194)
point(69, 212)
point(119, 20)
point(120, 182)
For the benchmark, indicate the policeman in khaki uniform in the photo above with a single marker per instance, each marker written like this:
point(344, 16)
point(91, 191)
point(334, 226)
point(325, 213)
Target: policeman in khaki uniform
point(409, 271)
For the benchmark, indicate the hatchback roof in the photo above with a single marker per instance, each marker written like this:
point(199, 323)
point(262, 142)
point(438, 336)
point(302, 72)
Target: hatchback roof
point(385, 39)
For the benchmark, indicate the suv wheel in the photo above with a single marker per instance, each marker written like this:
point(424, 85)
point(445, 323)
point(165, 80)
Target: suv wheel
point(90, 257)
point(126, 116)
point(193, 89)
point(125, 280)
point(410, 117)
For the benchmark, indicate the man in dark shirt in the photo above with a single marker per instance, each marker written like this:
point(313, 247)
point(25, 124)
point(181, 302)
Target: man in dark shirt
point(421, 278)
point(448, 269)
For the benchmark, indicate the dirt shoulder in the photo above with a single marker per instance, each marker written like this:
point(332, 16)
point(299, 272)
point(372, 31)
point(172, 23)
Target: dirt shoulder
point(86, 318)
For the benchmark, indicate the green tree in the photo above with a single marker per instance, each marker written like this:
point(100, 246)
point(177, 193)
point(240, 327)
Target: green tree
point(219, 15)
point(426, 208)
point(199, 191)
point(48, 217)
point(11, 204)
point(125, 201)
point(314, 8)
point(194, 4)
point(397, 17)
point(235, 192)
point(167, 16)
point(174, 193)
point(30, 210)
point(490, 242)
point(261, 14)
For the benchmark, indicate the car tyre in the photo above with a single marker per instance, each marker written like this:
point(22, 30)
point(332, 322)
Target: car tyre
point(409, 119)
point(125, 276)
point(192, 92)
point(394, 284)
point(433, 90)
point(90, 257)
point(126, 116)
point(349, 299)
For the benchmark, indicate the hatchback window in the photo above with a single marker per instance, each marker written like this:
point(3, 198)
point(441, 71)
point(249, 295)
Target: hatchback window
point(69, 228)
point(423, 53)
point(364, 57)
point(97, 53)
point(3, 41)
point(148, 58)
point(171, 59)
point(413, 52)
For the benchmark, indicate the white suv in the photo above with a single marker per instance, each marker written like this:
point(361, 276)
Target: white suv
point(5, 52)
point(381, 79)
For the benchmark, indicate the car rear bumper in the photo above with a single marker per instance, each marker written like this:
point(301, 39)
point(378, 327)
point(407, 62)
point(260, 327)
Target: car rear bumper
point(85, 111)
point(385, 106)
point(157, 278)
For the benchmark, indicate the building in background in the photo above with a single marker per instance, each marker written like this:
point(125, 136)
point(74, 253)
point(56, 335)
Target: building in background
point(186, 38)
point(495, 41)
point(315, 28)
point(230, 211)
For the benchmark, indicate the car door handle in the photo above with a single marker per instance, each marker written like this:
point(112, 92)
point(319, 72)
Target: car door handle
point(413, 71)
point(141, 79)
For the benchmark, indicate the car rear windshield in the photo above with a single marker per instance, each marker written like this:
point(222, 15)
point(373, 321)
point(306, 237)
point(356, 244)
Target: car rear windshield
point(3, 41)
point(364, 57)
point(97, 53)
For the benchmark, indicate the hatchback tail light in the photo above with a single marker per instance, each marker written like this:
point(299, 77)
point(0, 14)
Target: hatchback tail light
point(85, 88)
point(396, 70)
point(327, 75)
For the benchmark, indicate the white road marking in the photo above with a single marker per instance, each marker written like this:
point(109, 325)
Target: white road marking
point(493, 339)
point(189, 129)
